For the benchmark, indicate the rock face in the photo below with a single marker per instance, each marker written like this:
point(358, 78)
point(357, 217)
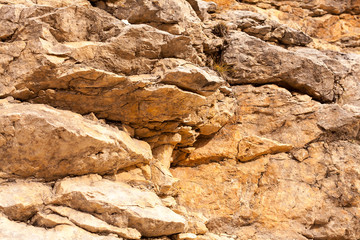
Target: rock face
point(179, 119)
point(119, 204)
point(39, 141)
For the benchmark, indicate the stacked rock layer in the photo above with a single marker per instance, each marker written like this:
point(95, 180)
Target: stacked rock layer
point(175, 119)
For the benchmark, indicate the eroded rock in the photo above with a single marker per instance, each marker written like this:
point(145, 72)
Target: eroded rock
point(254, 61)
point(10, 230)
point(21, 200)
point(93, 224)
point(129, 207)
point(40, 140)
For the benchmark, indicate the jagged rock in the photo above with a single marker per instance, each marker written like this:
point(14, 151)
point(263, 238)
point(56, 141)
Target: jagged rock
point(21, 200)
point(349, 82)
point(162, 178)
point(231, 142)
point(49, 220)
point(52, 42)
point(331, 6)
point(40, 140)
point(136, 176)
point(10, 230)
point(259, 26)
point(261, 161)
point(146, 11)
point(197, 227)
point(138, 209)
point(174, 16)
point(135, 99)
point(257, 62)
point(269, 115)
point(93, 224)
point(185, 236)
point(202, 8)
point(223, 191)
point(273, 112)
point(52, 3)
point(271, 189)
point(333, 24)
point(335, 118)
point(194, 79)
point(138, 100)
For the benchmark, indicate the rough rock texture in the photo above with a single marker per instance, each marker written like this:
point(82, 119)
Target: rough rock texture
point(40, 141)
point(179, 119)
point(119, 204)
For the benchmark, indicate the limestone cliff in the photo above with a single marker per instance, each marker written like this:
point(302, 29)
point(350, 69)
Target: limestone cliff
point(179, 119)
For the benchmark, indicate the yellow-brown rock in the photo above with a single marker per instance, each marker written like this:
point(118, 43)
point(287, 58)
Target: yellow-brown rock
point(39, 142)
point(142, 210)
point(180, 119)
point(21, 200)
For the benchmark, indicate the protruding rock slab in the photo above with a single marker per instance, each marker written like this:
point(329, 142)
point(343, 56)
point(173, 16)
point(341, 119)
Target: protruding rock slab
point(254, 61)
point(21, 200)
point(142, 210)
point(48, 143)
point(231, 142)
point(135, 99)
point(10, 230)
point(93, 224)
point(51, 220)
point(194, 79)
point(260, 26)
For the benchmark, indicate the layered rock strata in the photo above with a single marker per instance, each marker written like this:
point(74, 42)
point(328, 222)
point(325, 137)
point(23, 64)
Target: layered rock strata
point(174, 119)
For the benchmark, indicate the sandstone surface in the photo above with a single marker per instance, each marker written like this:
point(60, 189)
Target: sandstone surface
point(40, 141)
point(180, 119)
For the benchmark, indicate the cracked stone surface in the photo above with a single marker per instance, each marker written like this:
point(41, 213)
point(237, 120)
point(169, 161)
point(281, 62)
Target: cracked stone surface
point(179, 119)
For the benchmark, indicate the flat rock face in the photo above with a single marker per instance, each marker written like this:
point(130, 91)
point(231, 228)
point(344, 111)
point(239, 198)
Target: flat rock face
point(179, 119)
point(39, 141)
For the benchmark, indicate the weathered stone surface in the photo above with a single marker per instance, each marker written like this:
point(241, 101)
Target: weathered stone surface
point(21, 200)
point(10, 230)
point(259, 26)
point(174, 16)
point(202, 8)
point(194, 79)
point(254, 61)
point(142, 210)
point(268, 119)
point(52, 41)
point(333, 24)
point(49, 220)
point(40, 140)
point(229, 155)
point(349, 83)
point(185, 236)
point(93, 224)
point(52, 3)
point(278, 192)
point(231, 142)
point(135, 99)
point(148, 11)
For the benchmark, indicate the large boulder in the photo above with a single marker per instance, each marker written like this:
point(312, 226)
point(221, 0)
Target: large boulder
point(43, 142)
